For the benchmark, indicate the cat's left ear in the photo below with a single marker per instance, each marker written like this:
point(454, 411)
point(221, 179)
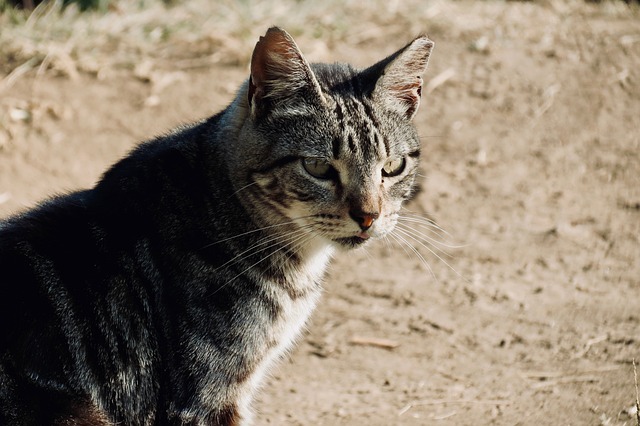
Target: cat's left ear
point(280, 75)
point(399, 77)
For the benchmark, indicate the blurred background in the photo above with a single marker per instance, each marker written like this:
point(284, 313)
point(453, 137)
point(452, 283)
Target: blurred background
point(525, 312)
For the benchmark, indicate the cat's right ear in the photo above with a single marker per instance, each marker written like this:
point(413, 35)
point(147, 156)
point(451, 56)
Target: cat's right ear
point(279, 75)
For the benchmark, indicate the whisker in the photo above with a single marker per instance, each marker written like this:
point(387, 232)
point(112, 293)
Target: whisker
point(243, 188)
point(426, 226)
point(270, 241)
point(390, 243)
point(387, 243)
point(404, 243)
point(428, 222)
point(408, 234)
point(417, 215)
point(295, 247)
point(426, 239)
point(293, 241)
point(368, 254)
point(291, 222)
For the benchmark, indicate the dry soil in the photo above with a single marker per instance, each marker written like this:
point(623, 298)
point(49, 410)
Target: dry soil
point(530, 126)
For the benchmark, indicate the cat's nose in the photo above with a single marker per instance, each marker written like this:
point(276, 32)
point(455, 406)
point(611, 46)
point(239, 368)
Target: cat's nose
point(363, 219)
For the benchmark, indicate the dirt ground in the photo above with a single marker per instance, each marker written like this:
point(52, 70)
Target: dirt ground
point(530, 126)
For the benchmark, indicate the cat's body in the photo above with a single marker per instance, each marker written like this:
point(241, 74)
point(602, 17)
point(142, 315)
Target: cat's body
point(163, 295)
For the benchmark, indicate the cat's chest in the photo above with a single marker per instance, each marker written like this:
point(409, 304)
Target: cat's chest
point(298, 297)
point(286, 328)
point(294, 308)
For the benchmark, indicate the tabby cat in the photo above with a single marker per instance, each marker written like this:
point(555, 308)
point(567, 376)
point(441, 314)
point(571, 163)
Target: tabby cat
point(164, 294)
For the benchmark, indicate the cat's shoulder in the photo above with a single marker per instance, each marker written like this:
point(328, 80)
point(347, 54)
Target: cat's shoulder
point(52, 214)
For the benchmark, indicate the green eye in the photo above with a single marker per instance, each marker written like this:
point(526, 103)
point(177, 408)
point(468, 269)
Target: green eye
point(319, 168)
point(393, 167)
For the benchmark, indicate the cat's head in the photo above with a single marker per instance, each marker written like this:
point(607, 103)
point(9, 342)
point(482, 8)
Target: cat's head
point(329, 147)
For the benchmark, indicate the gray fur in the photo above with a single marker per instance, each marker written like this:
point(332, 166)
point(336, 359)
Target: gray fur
point(164, 294)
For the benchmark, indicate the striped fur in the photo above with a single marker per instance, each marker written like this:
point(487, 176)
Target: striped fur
point(163, 295)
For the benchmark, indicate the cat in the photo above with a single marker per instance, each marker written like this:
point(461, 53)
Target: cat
point(163, 295)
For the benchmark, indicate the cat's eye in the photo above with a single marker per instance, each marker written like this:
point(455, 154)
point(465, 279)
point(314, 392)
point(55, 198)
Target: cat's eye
point(393, 167)
point(319, 168)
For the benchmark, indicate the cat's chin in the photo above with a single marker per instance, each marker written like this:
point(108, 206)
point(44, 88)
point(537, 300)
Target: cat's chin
point(351, 242)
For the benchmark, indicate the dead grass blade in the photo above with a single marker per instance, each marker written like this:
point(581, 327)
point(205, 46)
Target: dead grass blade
point(18, 72)
point(635, 379)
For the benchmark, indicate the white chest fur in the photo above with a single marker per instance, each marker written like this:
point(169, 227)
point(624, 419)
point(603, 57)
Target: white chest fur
point(294, 312)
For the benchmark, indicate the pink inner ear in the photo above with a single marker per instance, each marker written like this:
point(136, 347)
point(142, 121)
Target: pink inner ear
point(258, 66)
point(409, 94)
point(275, 57)
point(401, 82)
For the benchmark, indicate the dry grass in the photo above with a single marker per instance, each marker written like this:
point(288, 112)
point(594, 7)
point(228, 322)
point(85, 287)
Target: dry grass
point(196, 33)
point(635, 380)
point(200, 33)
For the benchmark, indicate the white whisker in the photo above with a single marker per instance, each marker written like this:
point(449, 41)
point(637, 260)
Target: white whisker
point(291, 222)
point(289, 243)
point(404, 243)
point(243, 188)
point(425, 221)
point(410, 235)
point(426, 237)
point(295, 247)
point(270, 241)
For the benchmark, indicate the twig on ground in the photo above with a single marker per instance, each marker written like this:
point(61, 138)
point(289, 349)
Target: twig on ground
point(591, 342)
point(445, 416)
point(374, 341)
point(553, 378)
point(565, 380)
point(452, 401)
point(438, 326)
point(545, 375)
point(449, 376)
point(548, 99)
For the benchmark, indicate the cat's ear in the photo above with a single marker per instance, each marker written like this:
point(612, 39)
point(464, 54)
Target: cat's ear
point(399, 77)
point(279, 73)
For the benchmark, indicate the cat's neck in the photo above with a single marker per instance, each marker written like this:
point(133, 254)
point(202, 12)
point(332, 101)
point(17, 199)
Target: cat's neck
point(235, 116)
point(304, 265)
point(315, 258)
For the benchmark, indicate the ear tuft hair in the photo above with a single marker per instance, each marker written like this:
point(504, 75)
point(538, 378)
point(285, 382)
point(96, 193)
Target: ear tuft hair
point(400, 85)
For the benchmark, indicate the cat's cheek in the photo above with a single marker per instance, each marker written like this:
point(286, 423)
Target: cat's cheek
point(297, 210)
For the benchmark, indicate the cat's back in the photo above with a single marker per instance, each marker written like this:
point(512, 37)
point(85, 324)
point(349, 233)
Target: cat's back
point(70, 272)
point(39, 248)
point(48, 230)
